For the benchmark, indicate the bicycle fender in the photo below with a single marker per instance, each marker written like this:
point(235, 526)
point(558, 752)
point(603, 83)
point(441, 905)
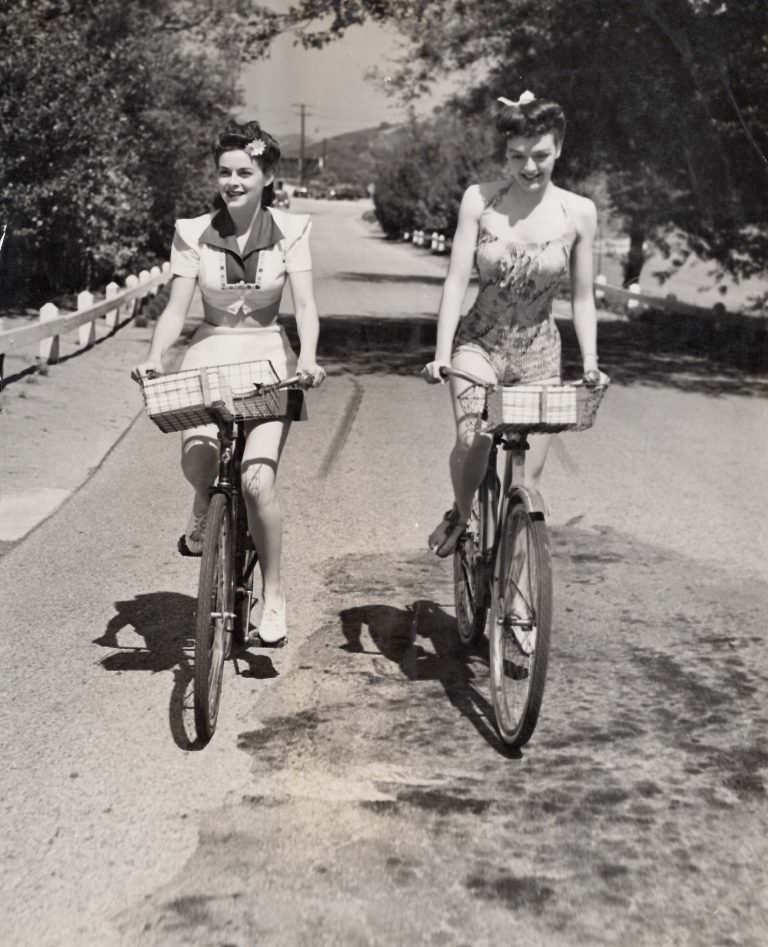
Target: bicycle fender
point(530, 499)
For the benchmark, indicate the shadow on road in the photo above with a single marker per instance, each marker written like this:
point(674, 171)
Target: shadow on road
point(395, 632)
point(670, 353)
point(166, 622)
point(413, 278)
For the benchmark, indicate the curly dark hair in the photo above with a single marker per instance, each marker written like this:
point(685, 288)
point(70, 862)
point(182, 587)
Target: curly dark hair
point(531, 119)
point(235, 136)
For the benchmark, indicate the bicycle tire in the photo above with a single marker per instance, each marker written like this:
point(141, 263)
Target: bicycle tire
point(245, 569)
point(470, 600)
point(521, 624)
point(213, 624)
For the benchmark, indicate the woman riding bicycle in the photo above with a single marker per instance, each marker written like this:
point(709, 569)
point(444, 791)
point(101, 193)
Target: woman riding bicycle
point(527, 235)
point(240, 257)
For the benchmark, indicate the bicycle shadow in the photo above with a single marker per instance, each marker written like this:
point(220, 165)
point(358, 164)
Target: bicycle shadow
point(395, 632)
point(166, 622)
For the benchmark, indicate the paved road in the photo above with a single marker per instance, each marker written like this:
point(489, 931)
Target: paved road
point(355, 792)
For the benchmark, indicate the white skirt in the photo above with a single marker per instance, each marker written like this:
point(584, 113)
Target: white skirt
point(222, 345)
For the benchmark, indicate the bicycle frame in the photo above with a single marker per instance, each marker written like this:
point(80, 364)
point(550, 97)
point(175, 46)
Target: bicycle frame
point(231, 446)
point(498, 494)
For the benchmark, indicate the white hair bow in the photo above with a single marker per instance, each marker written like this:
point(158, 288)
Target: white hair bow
point(524, 99)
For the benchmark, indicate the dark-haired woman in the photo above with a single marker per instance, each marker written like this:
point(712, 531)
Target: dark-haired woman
point(526, 235)
point(240, 258)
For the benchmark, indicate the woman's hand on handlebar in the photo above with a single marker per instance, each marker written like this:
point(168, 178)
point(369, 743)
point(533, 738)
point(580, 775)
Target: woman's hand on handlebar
point(593, 377)
point(311, 374)
point(433, 372)
point(147, 369)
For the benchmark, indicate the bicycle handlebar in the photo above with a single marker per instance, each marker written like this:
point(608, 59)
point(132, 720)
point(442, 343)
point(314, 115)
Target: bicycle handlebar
point(446, 372)
point(295, 381)
point(591, 379)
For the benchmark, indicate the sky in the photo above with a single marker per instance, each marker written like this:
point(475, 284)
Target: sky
point(331, 84)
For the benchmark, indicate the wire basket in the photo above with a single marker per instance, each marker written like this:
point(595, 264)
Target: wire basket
point(197, 396)
point(247, 403)
point(545, 408)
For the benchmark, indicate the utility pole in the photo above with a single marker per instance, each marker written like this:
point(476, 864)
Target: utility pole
point(302, 143)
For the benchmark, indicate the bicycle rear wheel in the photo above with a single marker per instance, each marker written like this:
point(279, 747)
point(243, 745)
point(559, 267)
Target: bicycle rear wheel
point(214, 615)
point(468, 587)
point(520, 625)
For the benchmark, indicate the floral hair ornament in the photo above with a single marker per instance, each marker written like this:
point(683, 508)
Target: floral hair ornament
point(525, 99)
point(256, 148)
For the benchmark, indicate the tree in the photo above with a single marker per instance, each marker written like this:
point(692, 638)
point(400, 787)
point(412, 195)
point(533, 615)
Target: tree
point(423, 170)
point(669, 97)
point(106, 114)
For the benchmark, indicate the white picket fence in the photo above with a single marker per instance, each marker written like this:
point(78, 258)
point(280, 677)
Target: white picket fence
point(118, 306)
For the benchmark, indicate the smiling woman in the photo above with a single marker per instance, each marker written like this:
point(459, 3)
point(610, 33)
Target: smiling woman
point(526, 236)
point(240, 257)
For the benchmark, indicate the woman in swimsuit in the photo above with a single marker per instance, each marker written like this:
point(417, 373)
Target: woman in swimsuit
point(240, 258)
point(526, 236)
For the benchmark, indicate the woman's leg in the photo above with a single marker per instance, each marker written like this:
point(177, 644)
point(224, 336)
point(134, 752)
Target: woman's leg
point(538, 448)
point(469, 456)
point(538, 445)
point(199, 463)
point(261, 457)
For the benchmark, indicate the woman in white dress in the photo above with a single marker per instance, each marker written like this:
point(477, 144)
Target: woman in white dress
point(240, 257)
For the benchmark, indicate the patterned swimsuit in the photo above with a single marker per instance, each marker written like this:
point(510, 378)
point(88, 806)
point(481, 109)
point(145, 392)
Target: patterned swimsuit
point(511, 322)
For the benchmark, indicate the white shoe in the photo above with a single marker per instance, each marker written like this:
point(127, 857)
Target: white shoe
point(272, 627)
point(194, 535)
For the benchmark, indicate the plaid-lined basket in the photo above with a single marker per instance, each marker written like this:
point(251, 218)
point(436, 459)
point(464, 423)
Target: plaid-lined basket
point(545, 408)
point(196, 396)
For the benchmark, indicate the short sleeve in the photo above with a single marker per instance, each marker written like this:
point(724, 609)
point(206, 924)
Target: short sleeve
point(185, 259)
point(298, 256)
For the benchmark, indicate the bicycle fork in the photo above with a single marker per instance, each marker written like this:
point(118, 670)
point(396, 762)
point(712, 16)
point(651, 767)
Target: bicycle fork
point(519, 617)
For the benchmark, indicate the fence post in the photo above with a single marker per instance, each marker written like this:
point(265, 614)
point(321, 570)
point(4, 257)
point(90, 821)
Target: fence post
point(141, 305)
point(48, 349)
point(129, 308)
point(600, 281)
point(154, 271)
point(112, 317)
point(86, 334)
point(633, 304)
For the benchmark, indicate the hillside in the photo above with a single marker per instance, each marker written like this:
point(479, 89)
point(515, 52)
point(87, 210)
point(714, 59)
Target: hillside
point(348, 158)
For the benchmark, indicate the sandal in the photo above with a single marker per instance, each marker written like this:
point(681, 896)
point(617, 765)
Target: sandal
point(445, 536)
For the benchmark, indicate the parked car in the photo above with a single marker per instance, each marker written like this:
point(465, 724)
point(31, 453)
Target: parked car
point(281, 199)
point(300, 192)
point(345, 192)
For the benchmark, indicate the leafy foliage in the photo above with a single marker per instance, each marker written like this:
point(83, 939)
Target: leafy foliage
point(668, 97)
point(106, 113)
point(423, 170)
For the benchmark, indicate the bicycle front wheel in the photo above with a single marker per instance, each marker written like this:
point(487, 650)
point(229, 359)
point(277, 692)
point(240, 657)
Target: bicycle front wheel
point(520, 625)
point(245, 568)
point(468, 587)
point(214, 616)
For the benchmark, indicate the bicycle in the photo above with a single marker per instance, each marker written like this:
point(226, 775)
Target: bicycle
point(502, 564)
point(229, 396)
